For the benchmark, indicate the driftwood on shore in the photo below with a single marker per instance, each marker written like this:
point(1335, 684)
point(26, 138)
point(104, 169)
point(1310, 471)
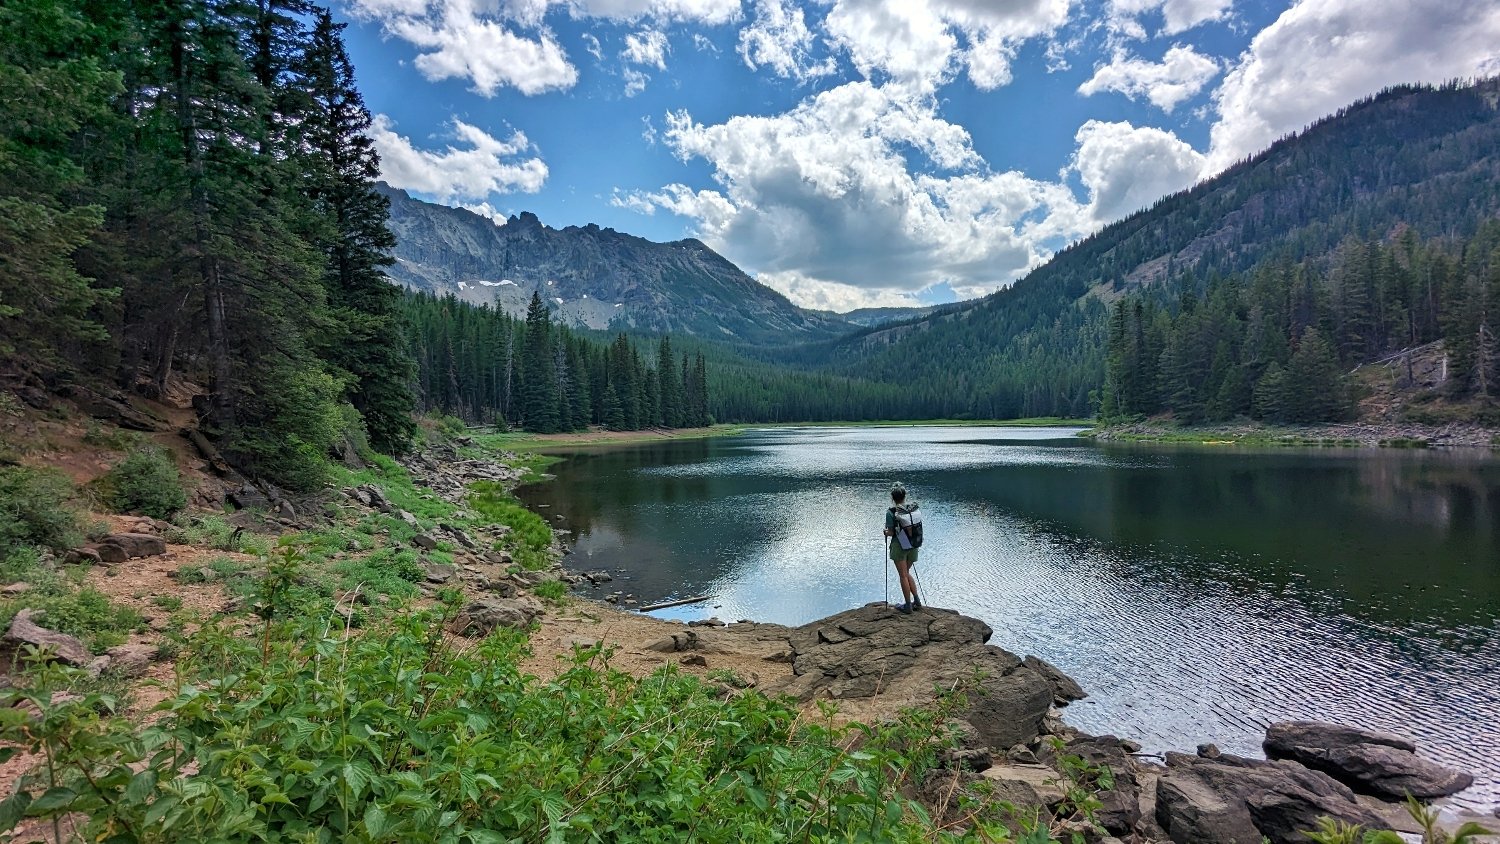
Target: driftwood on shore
point(665, 604)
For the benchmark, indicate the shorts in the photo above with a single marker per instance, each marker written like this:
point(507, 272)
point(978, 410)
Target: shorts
point(899, 554)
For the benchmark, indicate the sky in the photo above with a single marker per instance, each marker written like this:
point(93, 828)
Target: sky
point(855, 153)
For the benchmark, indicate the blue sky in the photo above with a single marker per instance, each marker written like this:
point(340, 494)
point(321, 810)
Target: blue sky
point(869, 152)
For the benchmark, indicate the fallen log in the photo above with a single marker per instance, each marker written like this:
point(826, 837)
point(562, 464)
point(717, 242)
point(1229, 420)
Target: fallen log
point(666, 604)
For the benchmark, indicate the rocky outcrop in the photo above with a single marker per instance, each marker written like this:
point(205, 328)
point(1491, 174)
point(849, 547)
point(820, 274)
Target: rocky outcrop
point(1232, 800)
point(64, 648)
point(877, 650)
point(483, 615)
point(1374, 763)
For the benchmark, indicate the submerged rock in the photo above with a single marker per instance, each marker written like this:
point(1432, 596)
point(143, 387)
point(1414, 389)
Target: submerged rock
point(1375, 763)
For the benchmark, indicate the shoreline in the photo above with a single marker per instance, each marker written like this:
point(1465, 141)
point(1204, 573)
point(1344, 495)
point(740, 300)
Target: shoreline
point(1340, 435)
point(521, 441)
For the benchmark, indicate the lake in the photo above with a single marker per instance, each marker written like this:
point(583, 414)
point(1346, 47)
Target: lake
point(1197, 593)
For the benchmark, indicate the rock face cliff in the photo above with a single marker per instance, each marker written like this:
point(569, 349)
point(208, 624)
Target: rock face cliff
point(592, 277)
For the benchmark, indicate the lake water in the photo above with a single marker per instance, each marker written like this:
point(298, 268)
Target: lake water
point(1196, 593)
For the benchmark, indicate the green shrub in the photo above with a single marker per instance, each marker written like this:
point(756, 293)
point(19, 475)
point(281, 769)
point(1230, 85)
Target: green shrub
point(145, 482)
point(396, 735)
point(35, 509)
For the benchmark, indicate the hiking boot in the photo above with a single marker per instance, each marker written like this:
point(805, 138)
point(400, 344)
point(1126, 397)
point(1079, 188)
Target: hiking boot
point(904, 609)
point(916, 603)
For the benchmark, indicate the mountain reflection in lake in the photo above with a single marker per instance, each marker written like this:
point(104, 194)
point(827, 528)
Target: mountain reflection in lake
point(1196, 593)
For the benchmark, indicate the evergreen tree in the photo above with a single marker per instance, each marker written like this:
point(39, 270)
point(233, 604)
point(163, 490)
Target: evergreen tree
point(539, 394)
point(358, 240)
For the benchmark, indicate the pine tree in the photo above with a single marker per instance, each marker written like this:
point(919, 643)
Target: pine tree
point(358, 242)
point(670, 386)
point(539, 394)
point(53, 80)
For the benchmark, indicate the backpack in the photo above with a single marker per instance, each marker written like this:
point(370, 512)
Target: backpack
point(908, 526)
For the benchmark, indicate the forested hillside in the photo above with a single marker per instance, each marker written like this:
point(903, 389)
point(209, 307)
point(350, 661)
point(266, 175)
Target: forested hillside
point(1413, 158)
point(1277, 343)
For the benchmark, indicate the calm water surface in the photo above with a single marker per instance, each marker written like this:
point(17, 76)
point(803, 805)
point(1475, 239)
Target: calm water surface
point(1197, 594)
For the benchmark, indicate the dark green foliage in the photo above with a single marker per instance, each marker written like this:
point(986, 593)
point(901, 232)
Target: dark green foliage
point(35, 509)
point(484, 366)
point(209, 161)
point(145, 482)
point(54, 81)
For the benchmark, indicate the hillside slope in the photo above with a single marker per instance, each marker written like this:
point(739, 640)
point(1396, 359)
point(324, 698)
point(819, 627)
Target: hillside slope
point(1428, 158)
point(592, 277)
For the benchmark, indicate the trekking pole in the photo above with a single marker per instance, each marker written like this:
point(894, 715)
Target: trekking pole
point(885, 567)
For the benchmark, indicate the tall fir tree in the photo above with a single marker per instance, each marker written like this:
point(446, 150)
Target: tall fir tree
point(357, 240)
point(539, 394)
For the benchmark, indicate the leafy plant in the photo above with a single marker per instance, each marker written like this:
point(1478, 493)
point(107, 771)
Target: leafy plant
point(1330, 831)
point(145, 482)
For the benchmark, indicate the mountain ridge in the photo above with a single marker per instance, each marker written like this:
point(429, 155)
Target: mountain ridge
point(592, 277)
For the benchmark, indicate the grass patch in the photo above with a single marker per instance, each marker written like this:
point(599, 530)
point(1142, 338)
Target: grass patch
point(217, 570)
point(530, 536)
point(551, 590)
point(398, 488)
point(217, 533)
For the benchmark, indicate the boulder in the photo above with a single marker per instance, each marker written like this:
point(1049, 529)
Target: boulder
point(1374, 763)
point(483, 615)
point(1232, 800)
point(64, 648)
point(1025, 785)
point(439, 572)
point(875, 650)
point(424, 542)
point(131, 660)
point(119, 547)
point(1065, 689)
point(248, 497)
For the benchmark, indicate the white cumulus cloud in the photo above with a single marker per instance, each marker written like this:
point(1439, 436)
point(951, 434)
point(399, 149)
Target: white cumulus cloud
point(647, 47)
point(1126, 168)
point(822, 202)
point(778, 38)
point(925, 42)
point(1320, 55)
point(483, 165)
point(1179, 76)
point(499, 44)
point(1177, 15)
point(456, 40)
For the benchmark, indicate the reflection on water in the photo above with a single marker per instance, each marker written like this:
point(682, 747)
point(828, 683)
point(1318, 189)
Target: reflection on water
point(1197, 594)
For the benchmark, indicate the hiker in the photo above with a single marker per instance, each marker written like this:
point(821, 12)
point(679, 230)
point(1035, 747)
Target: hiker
point(903, 526)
